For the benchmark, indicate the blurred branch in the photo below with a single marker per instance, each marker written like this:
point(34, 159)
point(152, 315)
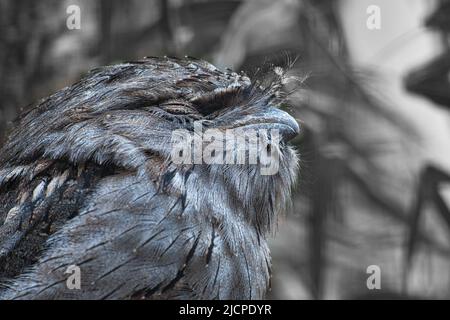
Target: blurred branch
point(427, 191)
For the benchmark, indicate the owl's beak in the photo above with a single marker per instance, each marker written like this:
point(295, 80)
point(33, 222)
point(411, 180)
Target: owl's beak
point(283, 121)
point(271, 118)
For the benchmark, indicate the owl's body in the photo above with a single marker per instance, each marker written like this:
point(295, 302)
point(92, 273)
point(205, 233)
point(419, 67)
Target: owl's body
point(86, 180)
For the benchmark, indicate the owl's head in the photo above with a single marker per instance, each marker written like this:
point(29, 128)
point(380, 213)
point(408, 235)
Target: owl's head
point(164, 115)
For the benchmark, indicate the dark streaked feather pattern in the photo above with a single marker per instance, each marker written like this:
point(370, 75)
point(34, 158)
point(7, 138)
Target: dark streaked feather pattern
point(86, 180)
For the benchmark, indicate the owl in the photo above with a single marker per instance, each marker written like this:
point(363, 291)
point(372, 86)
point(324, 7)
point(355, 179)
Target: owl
point(93, 204)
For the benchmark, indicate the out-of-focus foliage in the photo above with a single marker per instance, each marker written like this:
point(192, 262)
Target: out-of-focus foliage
point(433, 82)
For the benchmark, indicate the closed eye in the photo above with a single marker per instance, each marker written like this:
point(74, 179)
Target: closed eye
point(177, 107)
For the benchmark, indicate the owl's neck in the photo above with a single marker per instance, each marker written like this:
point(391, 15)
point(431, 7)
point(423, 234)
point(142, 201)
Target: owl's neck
point(233, 193)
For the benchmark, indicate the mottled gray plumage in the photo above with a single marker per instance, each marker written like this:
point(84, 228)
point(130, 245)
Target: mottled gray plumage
point(86, 179)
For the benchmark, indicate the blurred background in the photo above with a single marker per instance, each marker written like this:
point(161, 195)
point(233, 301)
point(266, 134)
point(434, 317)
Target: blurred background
point(374, 185)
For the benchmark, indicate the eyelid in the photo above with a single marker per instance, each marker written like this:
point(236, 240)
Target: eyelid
point(178, 107)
